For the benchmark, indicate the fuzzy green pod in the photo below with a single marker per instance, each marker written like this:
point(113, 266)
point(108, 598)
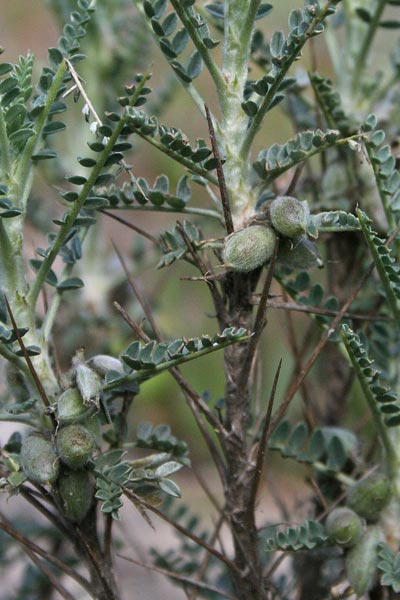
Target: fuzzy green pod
point(344, 526)
point(71, 408)
point(299, 253)
point(77, 494)
point(289, 216)
point(361, 560)
point(369, 496)
point(75, 445)
point(39, 459)
point(249, 248)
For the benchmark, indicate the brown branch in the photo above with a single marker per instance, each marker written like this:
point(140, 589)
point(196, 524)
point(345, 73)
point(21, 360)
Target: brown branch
point(325, 338)
point(95, 561)
point(295, 179)
point(318, 349)
point(316, 310)
point(308, 410)
point(186, 532)
point(54, 579)
point(194, 400)
point(262, 443)
point(28, 494)
point(179, 577)
point(204, 270)
point(6, 526)
point(135, 228)
point(259, 322)
point(32, 370)
point(220, 174)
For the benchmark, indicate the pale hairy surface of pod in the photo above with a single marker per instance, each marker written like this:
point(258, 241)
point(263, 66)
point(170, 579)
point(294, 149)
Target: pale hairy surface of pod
point(299, 253)
point(71, 408)
point(369, 496)
point(361, 560)
point(39, 459)
point(249, 248)
point(77, 494)
point(89, 384)
point(75, 445)
point(289, 216)
point(344, 526)
point(102, 363)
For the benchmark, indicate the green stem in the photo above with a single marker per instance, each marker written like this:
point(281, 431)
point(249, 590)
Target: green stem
point(366, 45)
point(380, 267)
point(25, 166)
point(187, 22)
point(204, 212)
point(187, 163)
point(381, 429)
point(189, 87)
point(342, 477)
point(278, 172)
point(268, 98)
point(6, 353)
point(381, 188)
point(8, 271)
point(78, 204)
point(5, 155)
point(169, 364)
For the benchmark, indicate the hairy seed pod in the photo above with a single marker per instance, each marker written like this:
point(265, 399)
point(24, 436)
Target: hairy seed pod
point(39, 460)
point(289, 216)
point(89, 384)
point(361, 560)
point(102, 363)
point(71, 408)
point(344, 526)
point(77, 494)
point(75, 445)
point(369, 496)
point(299, 253)
point(249, 248)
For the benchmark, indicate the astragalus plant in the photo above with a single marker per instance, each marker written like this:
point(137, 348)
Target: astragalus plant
point(309, 225)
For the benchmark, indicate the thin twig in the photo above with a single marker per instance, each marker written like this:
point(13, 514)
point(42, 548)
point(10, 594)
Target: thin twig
point(194, 400)
point(188, 580)
point(186, 532)
point(198, 261)
point(316, 310)
point(138, 230)
point(308, 409)
point(324, 339)
point(29, 496)
point(32, 369)
point(295, 178)
point(6, 526)
point(94, 559)
point(220, 174)
point(54, 579)
point(259, 322)
point(316, 488)
point(318, 349)
point(262, 443)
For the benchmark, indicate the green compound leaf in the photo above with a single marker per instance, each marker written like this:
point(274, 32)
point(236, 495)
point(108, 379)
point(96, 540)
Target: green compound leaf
point(389, 273)
point(389, 566)
point(332, 221)
point(381, 400)
point(153, 357)
point(326, 448)
point(278, 158)
point(310, 534)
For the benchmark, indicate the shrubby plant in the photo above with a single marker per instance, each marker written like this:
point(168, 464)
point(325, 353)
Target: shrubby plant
point(328, 197)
